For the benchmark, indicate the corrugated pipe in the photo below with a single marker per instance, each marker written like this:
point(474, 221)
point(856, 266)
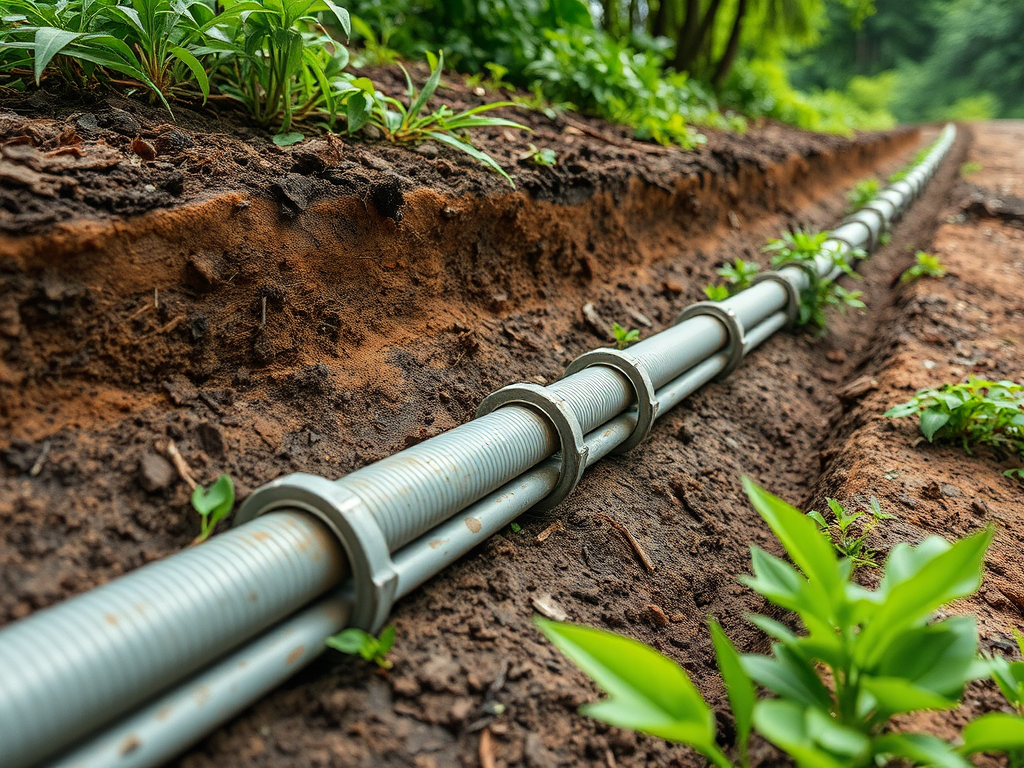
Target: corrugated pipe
point(163, 655)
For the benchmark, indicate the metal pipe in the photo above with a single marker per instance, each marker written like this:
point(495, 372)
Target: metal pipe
point(491, 463)
point(68, 669)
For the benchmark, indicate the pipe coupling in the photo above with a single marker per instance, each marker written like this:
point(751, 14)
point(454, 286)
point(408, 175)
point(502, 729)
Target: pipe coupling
point(630, 367)
point(736, 346)
point(374, 579)
point(573, 452)
point(792, 294)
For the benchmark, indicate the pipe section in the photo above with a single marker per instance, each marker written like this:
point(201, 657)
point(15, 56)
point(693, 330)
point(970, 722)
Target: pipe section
point(67, 670)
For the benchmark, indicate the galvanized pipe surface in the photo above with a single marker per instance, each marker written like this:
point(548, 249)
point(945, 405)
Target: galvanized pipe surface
point(166, 725)
point(68, 669)
point(411, 495)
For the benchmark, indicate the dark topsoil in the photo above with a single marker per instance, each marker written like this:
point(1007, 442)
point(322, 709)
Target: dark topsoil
point(382, 330)
point(97, 155)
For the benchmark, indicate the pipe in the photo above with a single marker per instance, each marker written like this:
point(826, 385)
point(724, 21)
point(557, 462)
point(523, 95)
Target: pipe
point(388, 518)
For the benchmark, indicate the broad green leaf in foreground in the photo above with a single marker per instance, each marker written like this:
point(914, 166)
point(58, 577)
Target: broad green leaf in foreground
point(647, 691)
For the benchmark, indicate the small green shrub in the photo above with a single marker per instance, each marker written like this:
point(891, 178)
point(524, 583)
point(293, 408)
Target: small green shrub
point(928, 265)
point(409, 124)
point(623, 337)
point(545, 157)
point(848, 531)
point(975, 413)
point(739, 274)
point(356, 642)
point(822, 293)
point(717, 292)
point(863, 193)
point(213, 505)
point(864, 657)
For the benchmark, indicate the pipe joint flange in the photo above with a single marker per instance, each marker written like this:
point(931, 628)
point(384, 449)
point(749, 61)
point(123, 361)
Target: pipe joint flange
point(374, 580)
point(792, 294)
point(573, 449)
point(884, 218)
point(736, 346)
point(629, 366)
point(845, 241)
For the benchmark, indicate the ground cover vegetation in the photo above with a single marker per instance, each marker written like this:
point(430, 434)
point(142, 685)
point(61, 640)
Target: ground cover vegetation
point(972, 414)
point(831, 687)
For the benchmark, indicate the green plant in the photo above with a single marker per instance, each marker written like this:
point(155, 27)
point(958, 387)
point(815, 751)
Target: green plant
point(978, 412)
point(545, 157)
point(276, 59)
point(213, 505)
point(862, 194)
point(928, 265)
point(77, 36)
point(970, 167)
point(493, 81)
point(376, 52)
point(515, 527)
point(802, 249)
point(410, 124)
point(865, 656)
point(356, 642)
point(624, 338)
point(739, 274)
point(717, 292)
point(849, 531)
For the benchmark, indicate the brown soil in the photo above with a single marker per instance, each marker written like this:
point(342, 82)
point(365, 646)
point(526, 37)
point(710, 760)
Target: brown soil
point(389, 315)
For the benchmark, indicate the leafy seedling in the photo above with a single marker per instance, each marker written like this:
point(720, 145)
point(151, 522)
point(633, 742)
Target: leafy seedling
point(624, 338)
point(716, 292)
point(803, 249)
point(515, 527)
point(866, 657)
point(545, 157)
point(848, 531)
point(739, 274)
point(970, 167)
point(356, 642)
point(213, 505)
point(863, 193)
point(412, 123)
point(974, 413)
point(928, 265)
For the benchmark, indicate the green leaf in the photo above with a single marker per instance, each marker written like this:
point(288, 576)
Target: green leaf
point(287, 139)
point(738, 685)
point(894, 695)
point(357, 111)
point(646, 691)
point(195, 67)
point(776, 580)
point(932, 421)
point(920, 749)
point(48, 43)
point(344, 20)
point(947, 576)
point(213, 505)
point(428, 88)
point(387, 640)
point(349, 641)
point(994, 732)
point(799, 535)
point(788, 676)
point(784, 724)
point(472, 151)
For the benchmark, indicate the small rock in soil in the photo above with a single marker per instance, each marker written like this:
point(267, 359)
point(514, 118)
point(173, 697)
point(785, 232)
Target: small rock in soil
point(672, 286)
point(836, 356)
point(155, 472)
point(119, 121)
point(388, 197)
point(294, 192)
point(212, 438)
point(144, 149)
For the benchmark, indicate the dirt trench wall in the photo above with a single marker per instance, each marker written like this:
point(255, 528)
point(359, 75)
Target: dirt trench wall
point(243, 282)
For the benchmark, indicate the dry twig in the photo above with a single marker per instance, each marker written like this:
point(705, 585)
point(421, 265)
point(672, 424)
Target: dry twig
point(640, 553)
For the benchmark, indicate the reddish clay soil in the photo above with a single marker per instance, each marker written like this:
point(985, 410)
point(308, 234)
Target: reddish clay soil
point(391, 314)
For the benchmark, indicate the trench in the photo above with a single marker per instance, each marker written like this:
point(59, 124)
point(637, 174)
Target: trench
point(706, 506)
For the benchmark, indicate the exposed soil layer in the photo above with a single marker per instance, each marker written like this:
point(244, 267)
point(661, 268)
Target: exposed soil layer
point(321, 339)
point(65, 156)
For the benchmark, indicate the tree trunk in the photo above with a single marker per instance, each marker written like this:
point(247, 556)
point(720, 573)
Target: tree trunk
point(732, 48)
point(684, 42)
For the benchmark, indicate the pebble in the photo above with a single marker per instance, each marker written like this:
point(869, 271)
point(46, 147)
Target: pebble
point(155, 472)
